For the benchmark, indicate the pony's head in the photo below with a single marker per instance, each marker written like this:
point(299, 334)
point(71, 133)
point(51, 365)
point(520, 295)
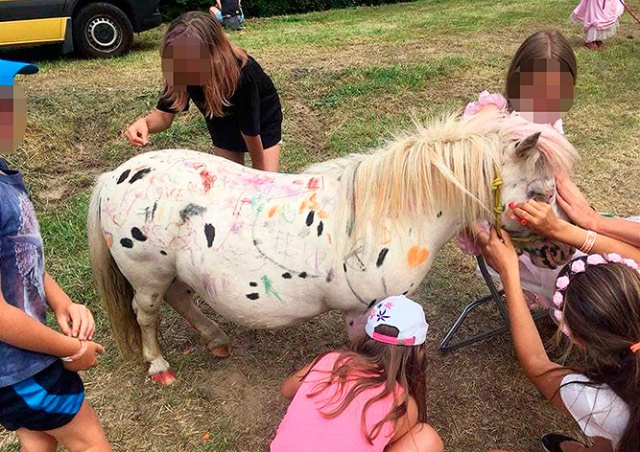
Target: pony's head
point(529, 165)
point(528, 168)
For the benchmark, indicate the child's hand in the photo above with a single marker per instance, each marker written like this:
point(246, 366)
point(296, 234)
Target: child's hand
point(575, 205)
point(138, 133)
point(87, 360)
point(76, 320)
point(499, 254)
point(538, 216)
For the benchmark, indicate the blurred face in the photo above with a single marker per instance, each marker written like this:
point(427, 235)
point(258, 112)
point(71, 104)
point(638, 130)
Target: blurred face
point(13, 117)
point(544, 90)
point(186, 62)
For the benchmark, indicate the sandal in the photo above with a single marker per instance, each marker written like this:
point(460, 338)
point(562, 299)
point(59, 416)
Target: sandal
point(591, 45)
point(551, 442)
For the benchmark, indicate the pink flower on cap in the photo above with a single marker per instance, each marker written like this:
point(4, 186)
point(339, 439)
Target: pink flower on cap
point(630, 263)
point(596, 259)
point(562, 282)
point(578, 266)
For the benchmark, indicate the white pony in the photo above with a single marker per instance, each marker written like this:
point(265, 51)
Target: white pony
point(267, 250)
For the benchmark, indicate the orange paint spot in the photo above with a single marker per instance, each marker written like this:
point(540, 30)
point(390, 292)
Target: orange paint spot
point(386, 237)
point(303, 205)
point(313, 204)
point(417, 256)
point(108, 239)
point(272, 211)
point(322, 214)
point(329, 237)
point(314, 183)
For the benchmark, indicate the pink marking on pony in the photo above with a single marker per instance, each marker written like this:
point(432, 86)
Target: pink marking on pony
point(193, 164)
point(164, 378)
point(551, 144)
point(315, 183)
point(208, 179)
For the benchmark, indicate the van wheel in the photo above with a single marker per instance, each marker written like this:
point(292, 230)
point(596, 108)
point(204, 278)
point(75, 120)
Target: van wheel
point(102, 30)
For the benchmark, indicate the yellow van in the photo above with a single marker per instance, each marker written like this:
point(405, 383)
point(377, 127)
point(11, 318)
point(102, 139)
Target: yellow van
point(92, 28)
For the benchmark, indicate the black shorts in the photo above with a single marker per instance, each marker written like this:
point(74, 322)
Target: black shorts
point(48, 400)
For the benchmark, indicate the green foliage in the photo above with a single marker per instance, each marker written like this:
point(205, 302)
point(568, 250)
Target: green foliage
point(261, 8)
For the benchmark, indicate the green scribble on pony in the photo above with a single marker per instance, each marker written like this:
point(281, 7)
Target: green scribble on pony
point(268, 288)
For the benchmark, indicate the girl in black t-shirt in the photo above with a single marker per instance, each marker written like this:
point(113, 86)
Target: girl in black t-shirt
point(238, 100)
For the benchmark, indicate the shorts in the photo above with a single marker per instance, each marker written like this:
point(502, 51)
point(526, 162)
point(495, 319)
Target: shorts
point(48, 400)
point(244, 151)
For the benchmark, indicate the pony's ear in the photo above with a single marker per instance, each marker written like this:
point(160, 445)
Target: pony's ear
point(525, 145)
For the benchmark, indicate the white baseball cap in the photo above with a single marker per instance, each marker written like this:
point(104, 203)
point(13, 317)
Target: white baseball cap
point(404, 314)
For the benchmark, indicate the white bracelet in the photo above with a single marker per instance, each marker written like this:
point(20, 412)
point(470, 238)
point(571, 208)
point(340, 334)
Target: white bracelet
point(72, 358)
point(589, 241)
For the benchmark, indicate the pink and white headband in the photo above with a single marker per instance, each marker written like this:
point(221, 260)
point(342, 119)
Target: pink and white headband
point(579, 266)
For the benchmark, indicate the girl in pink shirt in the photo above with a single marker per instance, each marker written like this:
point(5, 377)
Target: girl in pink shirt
point(369, 398)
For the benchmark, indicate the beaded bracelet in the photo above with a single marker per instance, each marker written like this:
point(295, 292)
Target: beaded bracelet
point(589, 241)
point(72, 358)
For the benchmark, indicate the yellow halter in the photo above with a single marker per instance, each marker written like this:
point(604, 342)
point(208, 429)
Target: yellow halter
point(496, 189)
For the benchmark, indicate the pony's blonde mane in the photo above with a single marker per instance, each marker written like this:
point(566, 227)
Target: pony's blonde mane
point(451, 163)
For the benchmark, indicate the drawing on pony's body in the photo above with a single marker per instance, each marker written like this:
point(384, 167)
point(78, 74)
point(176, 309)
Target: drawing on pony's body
point(269, 250)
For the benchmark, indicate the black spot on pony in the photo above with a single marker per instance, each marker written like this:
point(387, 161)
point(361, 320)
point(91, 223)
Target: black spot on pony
point(210, 234)
point(139, 175)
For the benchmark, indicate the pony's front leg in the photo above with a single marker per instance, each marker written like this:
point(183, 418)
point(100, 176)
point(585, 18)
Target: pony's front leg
point(146, 305)
point(179, 297)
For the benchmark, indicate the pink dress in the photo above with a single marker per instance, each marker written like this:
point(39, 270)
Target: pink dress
point(599, 18)
point(305, 429)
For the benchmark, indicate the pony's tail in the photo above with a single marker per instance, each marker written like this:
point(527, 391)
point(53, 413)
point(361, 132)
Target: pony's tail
point(114, 289)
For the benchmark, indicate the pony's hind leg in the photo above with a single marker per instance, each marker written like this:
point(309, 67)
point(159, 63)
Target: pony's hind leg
point(146, 305)
point(179, 297)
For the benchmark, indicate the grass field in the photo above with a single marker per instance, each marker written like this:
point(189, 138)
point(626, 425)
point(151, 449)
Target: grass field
point(347, 79)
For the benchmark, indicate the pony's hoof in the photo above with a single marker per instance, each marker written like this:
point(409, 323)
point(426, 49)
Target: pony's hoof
point(221, 352)
point(164, 378)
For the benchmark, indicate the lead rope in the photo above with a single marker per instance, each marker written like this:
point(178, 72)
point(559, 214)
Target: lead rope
point(496, 189)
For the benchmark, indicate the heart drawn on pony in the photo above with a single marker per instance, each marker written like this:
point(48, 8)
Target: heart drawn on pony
point(269, 250)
